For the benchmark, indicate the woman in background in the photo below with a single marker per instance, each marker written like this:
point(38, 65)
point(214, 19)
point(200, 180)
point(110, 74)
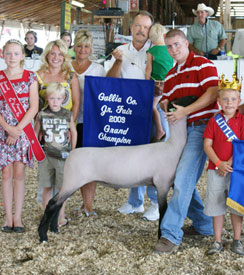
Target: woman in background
point(67, 38)
point(83, 66)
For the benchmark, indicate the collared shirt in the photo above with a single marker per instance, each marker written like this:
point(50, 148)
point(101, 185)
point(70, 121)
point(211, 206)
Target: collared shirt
point(35, 50)
point(134, 61)
point(196, 35)
point(221, 146)
point(194, 77)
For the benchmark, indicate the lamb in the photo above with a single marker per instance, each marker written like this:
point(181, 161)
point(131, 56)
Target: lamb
point(119, 167)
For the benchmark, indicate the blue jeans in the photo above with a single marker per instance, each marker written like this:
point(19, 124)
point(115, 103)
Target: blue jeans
point(136, 196)
point(186, 201)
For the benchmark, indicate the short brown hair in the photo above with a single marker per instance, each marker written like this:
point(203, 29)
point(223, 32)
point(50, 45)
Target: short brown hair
point(175, 32)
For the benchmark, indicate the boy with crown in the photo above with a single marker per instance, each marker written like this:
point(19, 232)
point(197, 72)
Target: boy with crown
point(218, 135)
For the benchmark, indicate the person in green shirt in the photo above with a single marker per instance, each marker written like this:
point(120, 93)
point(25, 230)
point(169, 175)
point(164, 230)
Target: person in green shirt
point(159, 62)
point(66, 37)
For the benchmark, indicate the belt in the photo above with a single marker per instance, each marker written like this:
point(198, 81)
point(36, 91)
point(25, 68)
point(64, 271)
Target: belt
point(198, 122)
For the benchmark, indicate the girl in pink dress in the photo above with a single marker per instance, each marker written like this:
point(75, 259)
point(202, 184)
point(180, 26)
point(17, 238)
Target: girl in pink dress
point(14, 145)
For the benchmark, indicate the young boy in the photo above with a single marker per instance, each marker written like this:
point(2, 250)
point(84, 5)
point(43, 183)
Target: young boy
point(55, 123)
point(219, 151)
point(159, 62)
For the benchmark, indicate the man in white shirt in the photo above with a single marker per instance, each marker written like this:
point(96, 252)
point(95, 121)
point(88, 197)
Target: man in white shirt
point(129, 61)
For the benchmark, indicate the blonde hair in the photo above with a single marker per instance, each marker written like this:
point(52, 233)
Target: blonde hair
point(65, 68)
point(55, 88)
point(220, 91)
point(83, 37)
point(17, 42)
point(156, 32)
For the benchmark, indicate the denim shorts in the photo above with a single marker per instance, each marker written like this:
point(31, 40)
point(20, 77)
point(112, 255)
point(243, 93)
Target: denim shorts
point(51, 172)
point(216, 195)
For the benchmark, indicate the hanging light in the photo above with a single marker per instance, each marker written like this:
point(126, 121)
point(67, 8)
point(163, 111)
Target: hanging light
point(77, 4)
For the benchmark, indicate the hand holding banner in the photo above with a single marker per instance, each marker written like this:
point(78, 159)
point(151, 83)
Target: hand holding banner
point(236, 192)
point(117, 111)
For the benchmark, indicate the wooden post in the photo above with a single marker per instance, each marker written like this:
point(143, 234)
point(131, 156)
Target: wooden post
point(227, 24)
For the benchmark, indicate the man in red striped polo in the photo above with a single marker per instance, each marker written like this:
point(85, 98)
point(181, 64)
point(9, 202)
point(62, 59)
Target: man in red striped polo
point(192, 75)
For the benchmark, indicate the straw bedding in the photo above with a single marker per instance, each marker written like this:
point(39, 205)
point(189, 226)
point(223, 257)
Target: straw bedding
point(111, 244)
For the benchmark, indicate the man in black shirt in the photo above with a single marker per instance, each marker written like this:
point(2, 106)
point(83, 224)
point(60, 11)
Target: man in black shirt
point(30, 48)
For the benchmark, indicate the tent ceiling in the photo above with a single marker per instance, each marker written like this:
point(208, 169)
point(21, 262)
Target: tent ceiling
point(41, 11)
point(49, 11)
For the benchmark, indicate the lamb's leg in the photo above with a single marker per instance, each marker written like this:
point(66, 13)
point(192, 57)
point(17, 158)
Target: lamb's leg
point(162, 209)
point(51, 208)
point(51, 213)
point(162, 203)
point(54, 220)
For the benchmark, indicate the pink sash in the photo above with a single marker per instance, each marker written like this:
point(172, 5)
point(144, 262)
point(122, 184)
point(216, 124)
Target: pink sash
point(18, 111)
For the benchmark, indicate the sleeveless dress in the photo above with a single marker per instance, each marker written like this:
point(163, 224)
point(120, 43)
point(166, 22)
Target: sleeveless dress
point(67, 103)
point(19, 151)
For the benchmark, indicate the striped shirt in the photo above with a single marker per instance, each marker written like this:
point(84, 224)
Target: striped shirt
point(194, 77)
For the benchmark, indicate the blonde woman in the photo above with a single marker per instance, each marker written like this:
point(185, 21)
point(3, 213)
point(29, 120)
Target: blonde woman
point(83, 66)
point(56, 68)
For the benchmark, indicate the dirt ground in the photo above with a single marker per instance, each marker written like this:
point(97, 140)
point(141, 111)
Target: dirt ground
point(111, 244)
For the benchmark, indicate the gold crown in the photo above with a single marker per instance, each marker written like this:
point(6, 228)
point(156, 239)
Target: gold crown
point(225, 84)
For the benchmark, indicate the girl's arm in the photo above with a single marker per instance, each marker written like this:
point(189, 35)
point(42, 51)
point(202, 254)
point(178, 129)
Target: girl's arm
point(13, 132)
point(73, 133)
point(75, 87)
point(32, 111)
point(148, 71)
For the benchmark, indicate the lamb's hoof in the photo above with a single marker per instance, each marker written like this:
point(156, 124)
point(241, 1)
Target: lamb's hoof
point(42, 235)
point(54, 229)
point(43, 240)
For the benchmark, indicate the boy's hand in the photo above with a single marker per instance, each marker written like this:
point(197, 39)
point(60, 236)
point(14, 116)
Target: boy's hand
point(224, 168)
point(40, 136)
point(69, 136)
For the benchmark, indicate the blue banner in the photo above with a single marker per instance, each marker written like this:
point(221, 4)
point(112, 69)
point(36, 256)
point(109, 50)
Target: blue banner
point(117, 112)
point(236, 192)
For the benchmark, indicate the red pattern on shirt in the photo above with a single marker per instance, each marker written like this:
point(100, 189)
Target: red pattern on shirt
point(221, 146)
point(194, 78)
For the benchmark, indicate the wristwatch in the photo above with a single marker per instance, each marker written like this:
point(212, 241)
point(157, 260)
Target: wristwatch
point(219, 49)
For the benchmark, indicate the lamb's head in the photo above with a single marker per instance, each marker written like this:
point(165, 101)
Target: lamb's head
point(183, 101)
point(178, 130)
